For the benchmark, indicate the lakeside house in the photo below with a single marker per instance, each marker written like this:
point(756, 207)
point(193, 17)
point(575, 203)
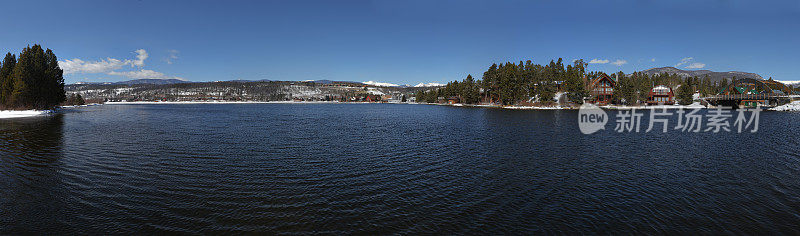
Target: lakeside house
point(601, 90)
point(661, 94)
point(448, 100)
point(453, 100)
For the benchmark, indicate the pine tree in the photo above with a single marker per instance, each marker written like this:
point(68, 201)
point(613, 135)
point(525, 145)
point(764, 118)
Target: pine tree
point(722, 85)
point(53, 90)
point(574, 84)
point(469, 92)
point(38, 81)
point(75, 100)
point(6, 81)
point(624, 91)
point(685, 92)
point(489, 83)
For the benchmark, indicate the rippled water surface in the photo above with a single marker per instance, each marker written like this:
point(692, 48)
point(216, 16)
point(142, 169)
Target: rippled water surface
point(384, 168)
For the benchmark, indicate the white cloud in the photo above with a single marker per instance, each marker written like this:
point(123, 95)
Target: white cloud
point(102, 66)
point(684, 61)
point(141, 55)
point(598, 61)
point(173, 55)
point(144, 74)
point(79, 66)
point(620, 62)
point(111, 66)
point(688, 61)
point(696, 65)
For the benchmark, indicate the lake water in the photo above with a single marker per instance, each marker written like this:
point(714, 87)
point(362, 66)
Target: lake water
point(387, 168)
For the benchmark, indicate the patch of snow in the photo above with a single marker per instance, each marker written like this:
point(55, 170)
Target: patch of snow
point(119, 91)
point(536, 108)
point(20, 114)
point(77, 106)
point(557, 97)
point(228, 102)
point(793, 106)
point(789, 82)
point(374, 83)
point(374, 91)
point(694, 105)
point(301, 91)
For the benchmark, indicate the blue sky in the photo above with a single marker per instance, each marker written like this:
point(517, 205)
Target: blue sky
point(401, 42)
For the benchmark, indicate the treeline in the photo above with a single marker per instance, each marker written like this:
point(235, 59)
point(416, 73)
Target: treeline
point(635, 88)
point(512, 83)
point(31, 81)
point(468, 91)
point(75, 100)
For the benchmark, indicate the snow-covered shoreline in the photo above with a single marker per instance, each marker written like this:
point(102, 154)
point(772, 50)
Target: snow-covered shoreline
point(238, 102)
point(21, 114)
point(695, 105)
point(793, 106)
point(7, 114)
point(76, 106)
point(539, 108)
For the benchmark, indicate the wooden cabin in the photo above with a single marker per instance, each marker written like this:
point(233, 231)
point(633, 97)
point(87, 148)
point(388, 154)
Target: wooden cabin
point(602, 90)
point(661, 95)
point(453, 100)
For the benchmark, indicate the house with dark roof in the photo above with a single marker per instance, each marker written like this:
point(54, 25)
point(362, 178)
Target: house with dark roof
point(601, 90)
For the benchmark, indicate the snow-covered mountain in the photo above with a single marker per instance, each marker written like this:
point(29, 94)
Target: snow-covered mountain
point(714, 76)
point(380, 84)
point(791, 83)
point(429, 85)
point(420, 85)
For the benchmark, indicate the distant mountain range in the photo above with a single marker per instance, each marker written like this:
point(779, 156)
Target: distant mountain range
point(429, 85)
point(141, 81)
point(175, 81)
point(420, 85)
point(152, 81)
point(715, 76)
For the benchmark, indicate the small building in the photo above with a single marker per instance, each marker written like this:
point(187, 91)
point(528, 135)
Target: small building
point(601, 90)
point(453, 100)
point(661, 95)
point(372, 98)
